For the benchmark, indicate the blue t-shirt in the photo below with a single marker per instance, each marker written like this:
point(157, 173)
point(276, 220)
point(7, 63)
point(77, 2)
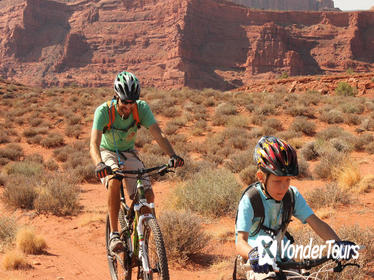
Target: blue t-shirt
point(273, 214)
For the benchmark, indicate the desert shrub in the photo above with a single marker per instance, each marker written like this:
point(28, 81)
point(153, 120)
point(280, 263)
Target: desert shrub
point(191, 167)
point(12, 152)
point(331, 116)
point(62, 153)
point(330, 132)
point(273, 123)
point(52, 140)
point(38, 158)
point(73, 119)
point(328, 196)
point(369, 148)
point(367, 124)
point(20, 192)
point(15, 260)
point(352, 119)
point(288, 134)
point(8, 229)
point(4, 138)
point(30, 132)
point(248, 174)
point(73, 130)
point(51, 165)
point(238, 121)
point(329, 159)
point(343, 144)
point(58, 195)
point(151, 160)
point(304, 171)
point(143, 136)
point(183, 234)
point(34, 139)
point(34, 122)
point(301, 124)
point(212, 192)
point(309, 151)
point(362, 141)
point(238, 161)
point(352, 107)
point(171, 112)
point(24, 168)
point(152, 149)
point(345, 89)
point(265, 109)
point(300, 110)
point(225, 109)
point(29, 243)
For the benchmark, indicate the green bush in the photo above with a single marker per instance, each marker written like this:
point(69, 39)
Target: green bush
point(345, 89)
point(212, 192)
point(183, 235)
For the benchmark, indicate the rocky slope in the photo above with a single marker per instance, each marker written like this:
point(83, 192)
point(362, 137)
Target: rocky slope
point(293, 5)
point(174, 43)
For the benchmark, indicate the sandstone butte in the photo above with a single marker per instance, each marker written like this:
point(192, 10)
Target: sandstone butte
point(176, 43)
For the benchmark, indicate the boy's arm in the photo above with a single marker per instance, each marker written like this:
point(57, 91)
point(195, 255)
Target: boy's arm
point(322, 229)
point(242, 246)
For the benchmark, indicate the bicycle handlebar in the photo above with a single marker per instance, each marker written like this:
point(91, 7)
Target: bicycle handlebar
point(309, 264)
point(162, 170)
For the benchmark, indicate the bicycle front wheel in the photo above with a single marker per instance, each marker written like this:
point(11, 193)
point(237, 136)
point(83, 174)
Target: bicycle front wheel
point(119, 265)
point(157, 259)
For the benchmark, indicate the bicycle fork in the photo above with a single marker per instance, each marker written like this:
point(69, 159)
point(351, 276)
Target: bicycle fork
point(143, 252)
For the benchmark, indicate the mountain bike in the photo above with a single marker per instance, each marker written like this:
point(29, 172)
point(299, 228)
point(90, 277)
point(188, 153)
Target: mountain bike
point(301, 270)
point(140, 233)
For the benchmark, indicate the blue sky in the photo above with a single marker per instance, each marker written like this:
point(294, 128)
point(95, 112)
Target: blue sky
point(349, 5)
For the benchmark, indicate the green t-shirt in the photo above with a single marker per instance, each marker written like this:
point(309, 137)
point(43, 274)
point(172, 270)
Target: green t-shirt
point(124, 140)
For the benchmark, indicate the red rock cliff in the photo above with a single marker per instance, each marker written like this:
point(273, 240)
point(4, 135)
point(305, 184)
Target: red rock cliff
point(292, 5)
point(174, 43)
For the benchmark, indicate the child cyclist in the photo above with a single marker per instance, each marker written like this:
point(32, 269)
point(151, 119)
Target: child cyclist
point(277, 165)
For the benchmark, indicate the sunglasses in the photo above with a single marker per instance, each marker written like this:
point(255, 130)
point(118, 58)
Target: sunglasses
point(127, 102)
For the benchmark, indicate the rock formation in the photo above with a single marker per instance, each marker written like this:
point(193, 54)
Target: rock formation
point(288, 5)
point(175, 43)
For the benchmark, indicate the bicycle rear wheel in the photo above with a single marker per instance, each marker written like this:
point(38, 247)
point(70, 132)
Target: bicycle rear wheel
point(117, 271)
point(157, 258)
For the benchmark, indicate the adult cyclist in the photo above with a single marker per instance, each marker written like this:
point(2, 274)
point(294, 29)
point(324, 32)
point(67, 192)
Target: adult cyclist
point(277, 165)
point(112, 142)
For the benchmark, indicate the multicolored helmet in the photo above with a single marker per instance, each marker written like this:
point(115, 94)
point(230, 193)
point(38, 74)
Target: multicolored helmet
point(127, 86)
point(275, 156)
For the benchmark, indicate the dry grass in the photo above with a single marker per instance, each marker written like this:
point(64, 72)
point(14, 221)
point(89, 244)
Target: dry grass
point(347, 176)
point(330, 195)
point(15, 260)
point(30, 243)
point(212, 192)
point(8, 230)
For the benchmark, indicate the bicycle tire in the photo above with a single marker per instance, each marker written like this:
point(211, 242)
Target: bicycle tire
point(156, 252)
point(117, 272)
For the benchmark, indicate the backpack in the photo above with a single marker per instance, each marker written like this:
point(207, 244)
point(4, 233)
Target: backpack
point(259, 211)
point(112, 117)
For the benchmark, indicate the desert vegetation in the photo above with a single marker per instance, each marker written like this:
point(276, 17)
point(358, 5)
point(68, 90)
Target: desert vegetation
point(214, 131)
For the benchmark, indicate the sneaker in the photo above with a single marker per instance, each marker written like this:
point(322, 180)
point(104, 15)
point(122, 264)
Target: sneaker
point(115, 243)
